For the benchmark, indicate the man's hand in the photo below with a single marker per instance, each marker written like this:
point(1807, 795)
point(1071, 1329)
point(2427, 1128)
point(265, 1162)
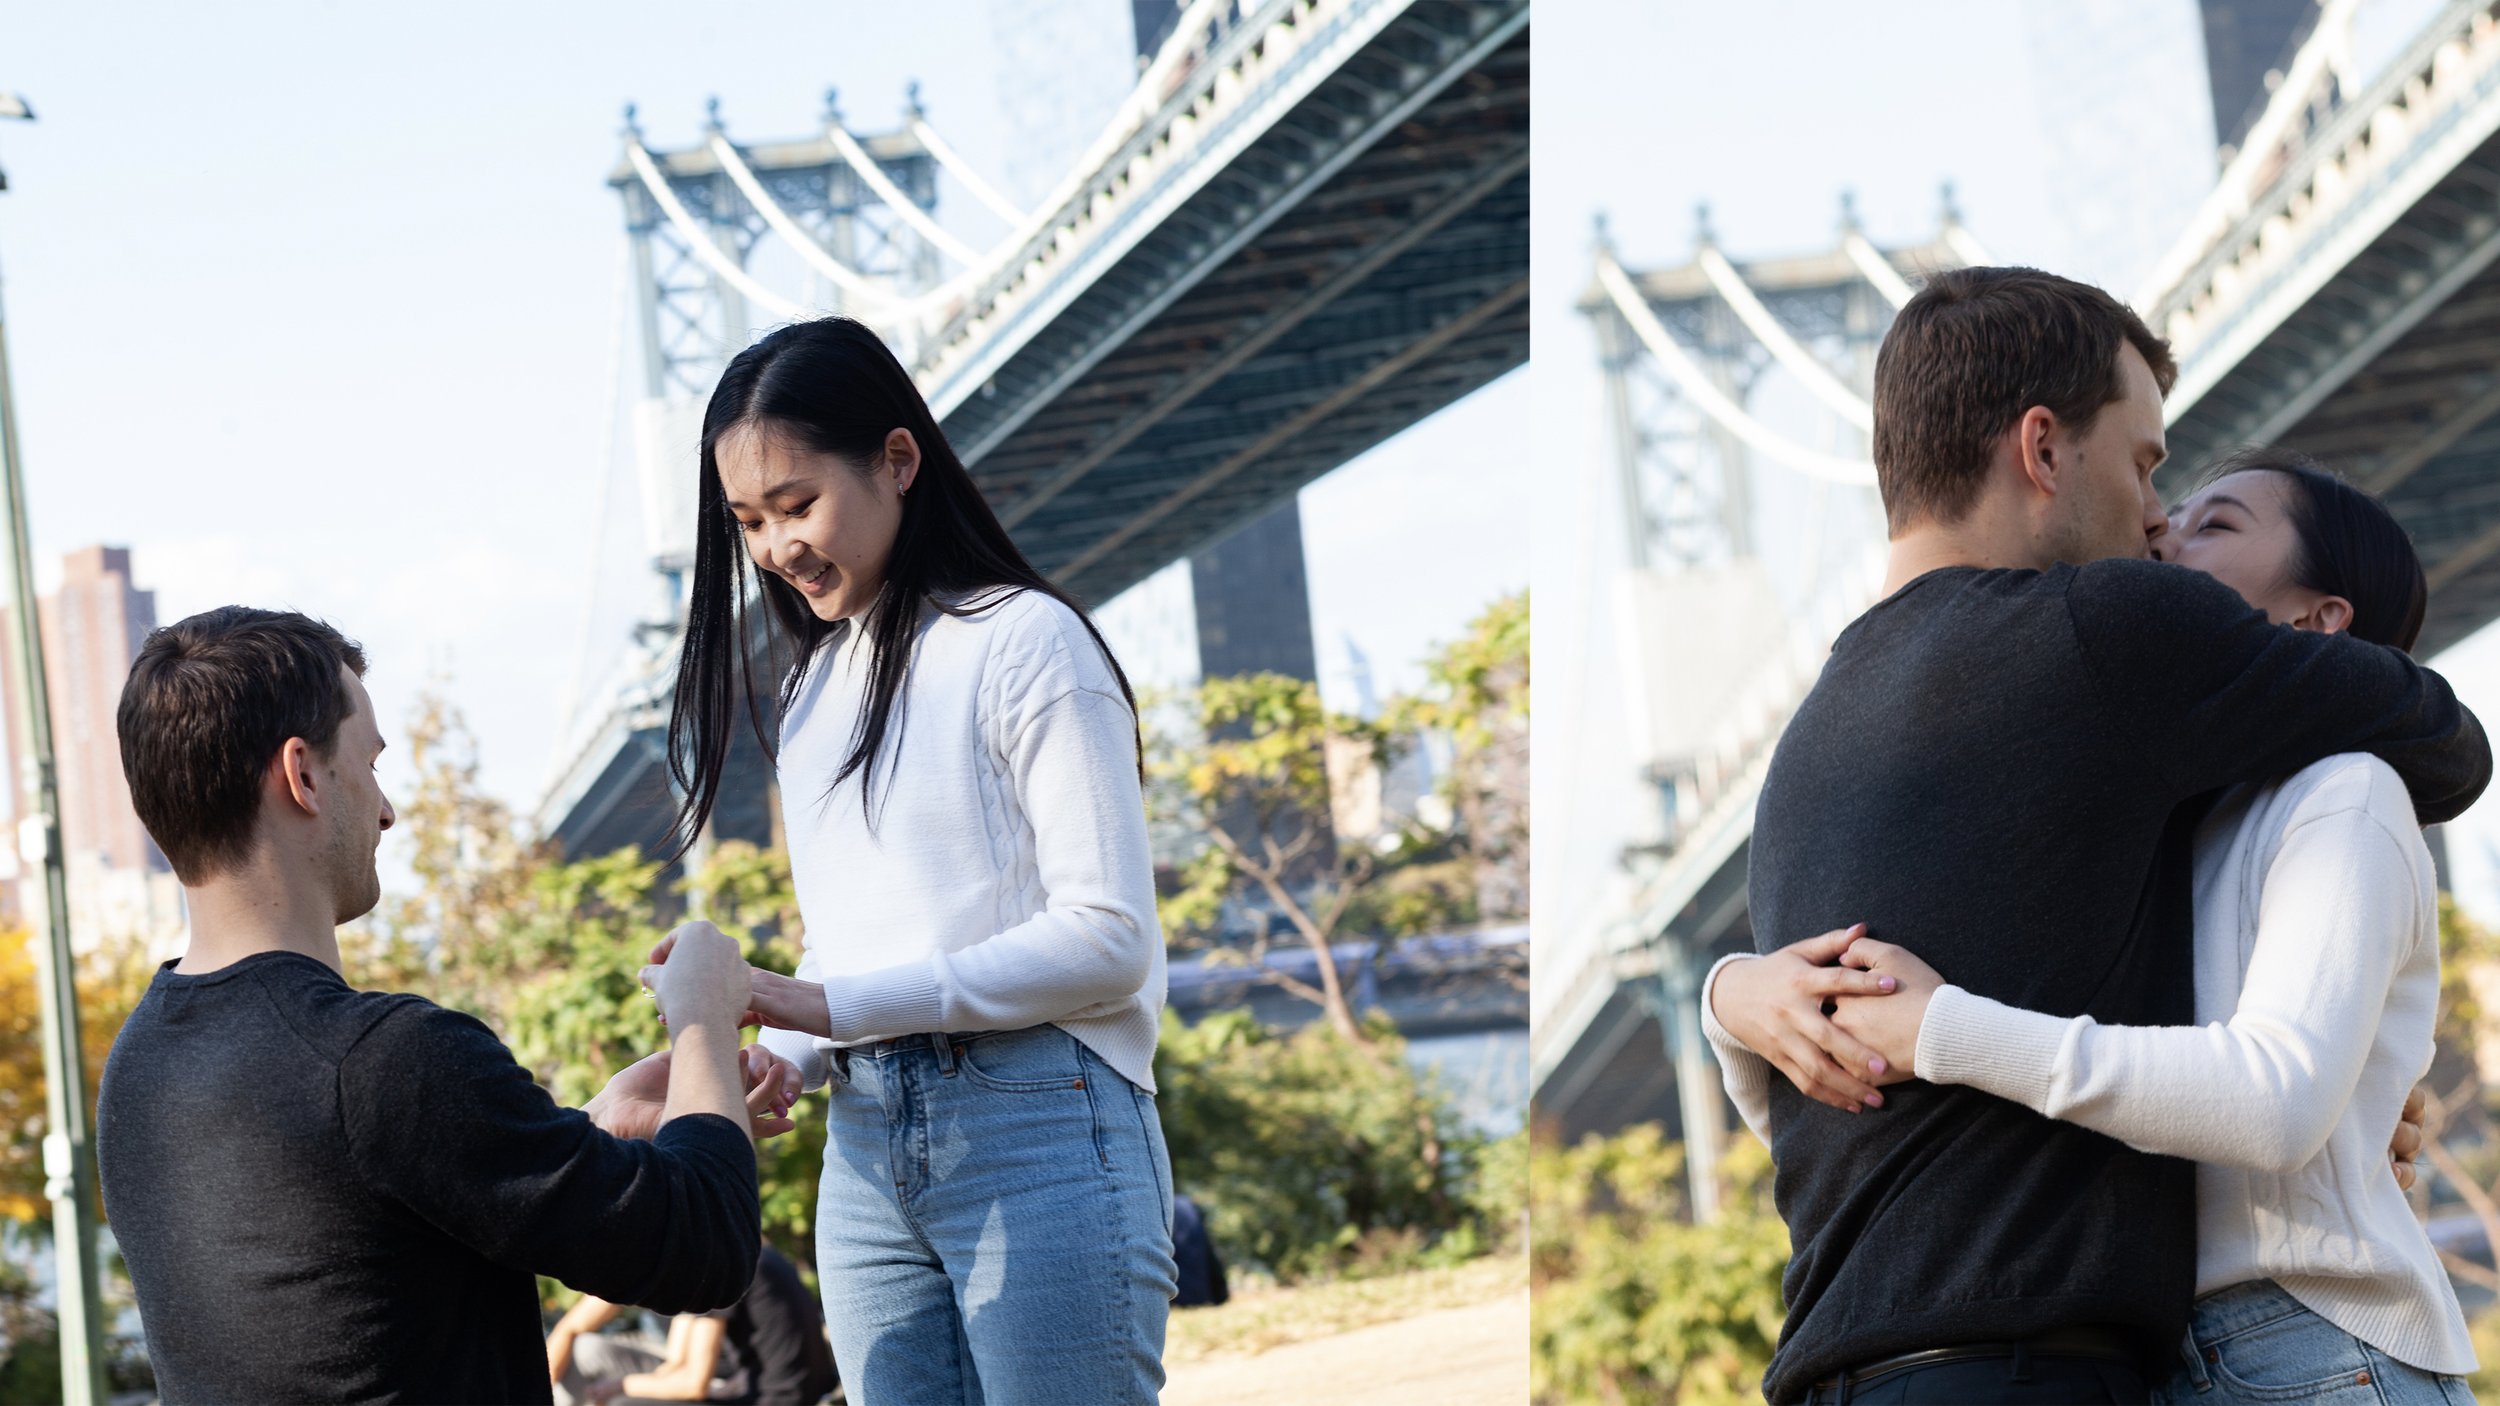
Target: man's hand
point(2407, 1142)
point(698, 972)
point(1890, 1024)
point(635, 1102)
point(1774, 1004)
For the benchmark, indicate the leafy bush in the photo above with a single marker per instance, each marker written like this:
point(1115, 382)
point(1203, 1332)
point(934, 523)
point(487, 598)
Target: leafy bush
point(1631, 1301)
point(1312, 1156)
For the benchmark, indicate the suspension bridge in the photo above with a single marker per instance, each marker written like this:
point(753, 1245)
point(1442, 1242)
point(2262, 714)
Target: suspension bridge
point(1303, 231)
point(2335, 293)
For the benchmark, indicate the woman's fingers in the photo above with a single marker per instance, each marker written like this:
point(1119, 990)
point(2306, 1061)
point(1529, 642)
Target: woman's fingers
point(1848, 981)
point(1825, 950)
point(660, 949)
point(1822, 1077)
point(1866, 954)
point(2404, 1175)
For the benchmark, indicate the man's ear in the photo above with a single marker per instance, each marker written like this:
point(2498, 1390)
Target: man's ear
point(2039, 449)
point(292, 772)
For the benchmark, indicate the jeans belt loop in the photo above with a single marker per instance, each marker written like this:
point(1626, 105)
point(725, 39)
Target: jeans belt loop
point(842, 1063)
point(2194, 1355)
point(945, 1046)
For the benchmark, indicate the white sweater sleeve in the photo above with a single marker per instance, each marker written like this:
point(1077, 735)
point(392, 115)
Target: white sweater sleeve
point(2338, 916)
point(1745, 1075)
point(1071, 758)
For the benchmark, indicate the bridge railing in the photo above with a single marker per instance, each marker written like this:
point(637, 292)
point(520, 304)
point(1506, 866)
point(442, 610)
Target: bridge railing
point(1223, 71)
point(2213, 295)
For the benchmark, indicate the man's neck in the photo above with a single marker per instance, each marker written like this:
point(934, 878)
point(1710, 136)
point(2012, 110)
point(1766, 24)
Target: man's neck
point(1976, 542)
point(254, 910)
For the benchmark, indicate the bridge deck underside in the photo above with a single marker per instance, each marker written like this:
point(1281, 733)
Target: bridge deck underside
point(1391, 290)
point(2416, 418)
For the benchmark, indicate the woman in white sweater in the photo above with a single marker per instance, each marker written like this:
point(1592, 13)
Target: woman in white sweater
point(983, 977)
point(2317, 981)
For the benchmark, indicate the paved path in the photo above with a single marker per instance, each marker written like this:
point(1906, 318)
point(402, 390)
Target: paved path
point(1471, 1356)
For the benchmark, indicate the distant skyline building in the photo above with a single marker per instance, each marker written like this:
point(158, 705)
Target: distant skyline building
point(93, 625)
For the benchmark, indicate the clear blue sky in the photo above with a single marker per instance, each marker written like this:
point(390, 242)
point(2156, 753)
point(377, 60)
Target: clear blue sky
point(315, 308)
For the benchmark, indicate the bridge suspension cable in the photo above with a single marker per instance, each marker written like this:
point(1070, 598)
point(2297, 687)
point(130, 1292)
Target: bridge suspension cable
point(699, 240)
point(1879, 271)
point(962, 171)
point(848, 279)
point(873, 176)
point(1714, 402)
point(1783, 347)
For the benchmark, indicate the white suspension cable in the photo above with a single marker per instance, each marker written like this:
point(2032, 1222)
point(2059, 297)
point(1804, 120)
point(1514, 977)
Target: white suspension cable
point(903, 205)
point(1878, 269)
point(1784, 347)
point(978, 188)
point(1716, 403)
point(700, 240)
point(1967, 247)
point(844, 277)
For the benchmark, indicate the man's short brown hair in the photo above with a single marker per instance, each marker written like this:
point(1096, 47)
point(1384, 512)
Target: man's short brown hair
point(1968, 355)
point(210, 700)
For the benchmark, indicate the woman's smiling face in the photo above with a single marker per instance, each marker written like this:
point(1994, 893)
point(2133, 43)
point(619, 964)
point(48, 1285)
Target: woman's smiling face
point(2239, 530)
point(813, 519)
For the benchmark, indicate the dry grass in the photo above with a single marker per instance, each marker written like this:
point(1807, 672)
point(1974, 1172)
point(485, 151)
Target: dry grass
point(1262, 1315)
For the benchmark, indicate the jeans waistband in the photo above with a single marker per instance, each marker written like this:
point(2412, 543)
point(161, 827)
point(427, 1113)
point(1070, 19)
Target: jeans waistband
point(943, 1045)
point(2240, 1308)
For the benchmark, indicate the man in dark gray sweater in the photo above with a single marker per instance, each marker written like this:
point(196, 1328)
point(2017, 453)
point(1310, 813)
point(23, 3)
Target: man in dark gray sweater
point(2000, 768)
point(326, 1194)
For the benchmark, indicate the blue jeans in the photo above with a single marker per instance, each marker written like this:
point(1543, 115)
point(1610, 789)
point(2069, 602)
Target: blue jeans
point(994, 1224)
point(2254, 1342)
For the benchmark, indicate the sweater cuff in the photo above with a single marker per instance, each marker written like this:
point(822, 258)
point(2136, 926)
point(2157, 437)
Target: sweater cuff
point(1990, 1046)
point(1720, 1040)
point(881, 1004)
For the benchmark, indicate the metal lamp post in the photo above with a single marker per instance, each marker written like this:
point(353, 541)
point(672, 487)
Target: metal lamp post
point(68, 1144)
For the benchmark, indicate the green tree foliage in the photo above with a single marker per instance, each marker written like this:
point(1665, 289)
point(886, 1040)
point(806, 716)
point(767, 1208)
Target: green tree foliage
point(1309, 1156)
point(1630, 1300)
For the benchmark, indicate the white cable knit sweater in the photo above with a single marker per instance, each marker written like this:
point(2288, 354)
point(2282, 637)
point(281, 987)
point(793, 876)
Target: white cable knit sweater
point(2317, 981)
point(1006, 882)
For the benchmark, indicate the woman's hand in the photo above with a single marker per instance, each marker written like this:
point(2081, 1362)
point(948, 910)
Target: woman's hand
point(787, 1003)
point(635, 1102)
point(1891, 1024)
point(1775, 1005)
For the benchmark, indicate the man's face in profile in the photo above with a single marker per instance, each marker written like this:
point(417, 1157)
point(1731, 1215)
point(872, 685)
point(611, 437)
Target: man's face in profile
point(2107, 503)
point(361, 812)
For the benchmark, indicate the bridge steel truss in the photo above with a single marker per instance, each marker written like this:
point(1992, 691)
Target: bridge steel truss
point(693, 320)
point(1327, 266)
point(2351, 310)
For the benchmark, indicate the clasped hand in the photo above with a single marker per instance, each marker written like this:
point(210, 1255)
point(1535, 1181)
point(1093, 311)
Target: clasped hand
point(768, 997)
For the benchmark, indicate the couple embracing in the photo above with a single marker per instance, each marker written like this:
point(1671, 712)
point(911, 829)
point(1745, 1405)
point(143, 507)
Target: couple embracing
point(2109, 820)
point(324, 1193)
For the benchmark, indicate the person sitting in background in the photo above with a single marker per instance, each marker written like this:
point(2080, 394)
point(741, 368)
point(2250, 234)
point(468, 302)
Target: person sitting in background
point(768, 1348)
point(326, 1194)
point(1201, 1269)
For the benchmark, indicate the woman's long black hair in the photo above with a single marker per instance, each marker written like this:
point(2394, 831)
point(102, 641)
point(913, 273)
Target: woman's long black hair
point(833, 387)
point(2350, 546)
